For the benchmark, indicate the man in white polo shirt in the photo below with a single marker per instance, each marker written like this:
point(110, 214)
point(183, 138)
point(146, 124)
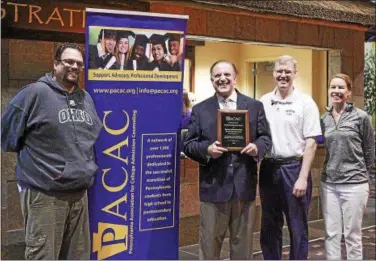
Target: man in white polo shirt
point(285, 180)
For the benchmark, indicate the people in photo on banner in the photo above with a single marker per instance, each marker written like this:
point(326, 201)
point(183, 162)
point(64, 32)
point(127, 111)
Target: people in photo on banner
point(175, 49)
point(122, 51)
point(227, 179)
point(187, 110)
point(350, 152)
point(285, 179)
point(139, 60)
point(159, 53)
point(102, 56)
point(52, 125)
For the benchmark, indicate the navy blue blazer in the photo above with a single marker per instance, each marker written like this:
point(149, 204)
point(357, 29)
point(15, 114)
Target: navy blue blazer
point(232, 172)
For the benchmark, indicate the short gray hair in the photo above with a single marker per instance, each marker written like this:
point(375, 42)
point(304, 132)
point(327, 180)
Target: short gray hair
point(283, 59)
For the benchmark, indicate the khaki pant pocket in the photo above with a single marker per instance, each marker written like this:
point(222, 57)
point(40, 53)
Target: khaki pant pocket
point(35, 248)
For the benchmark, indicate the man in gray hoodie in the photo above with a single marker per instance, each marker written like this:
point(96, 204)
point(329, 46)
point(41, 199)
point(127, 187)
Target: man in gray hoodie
point(52, 125)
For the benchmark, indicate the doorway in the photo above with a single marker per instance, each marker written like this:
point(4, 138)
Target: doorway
point(260, 78)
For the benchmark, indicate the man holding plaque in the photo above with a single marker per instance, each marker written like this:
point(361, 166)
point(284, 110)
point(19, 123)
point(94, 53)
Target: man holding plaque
point(285, 180)
point(228, 176)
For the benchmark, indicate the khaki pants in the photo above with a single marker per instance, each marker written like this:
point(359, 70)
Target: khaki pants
point(56, 225)
point(215, 218)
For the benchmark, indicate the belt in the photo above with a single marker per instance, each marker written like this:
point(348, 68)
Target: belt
point(284, 160)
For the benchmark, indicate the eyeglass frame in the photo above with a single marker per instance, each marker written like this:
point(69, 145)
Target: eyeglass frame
point(280, 72)
point(80, 65)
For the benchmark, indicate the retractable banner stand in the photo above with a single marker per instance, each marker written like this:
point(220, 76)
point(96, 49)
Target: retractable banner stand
point(135, 77)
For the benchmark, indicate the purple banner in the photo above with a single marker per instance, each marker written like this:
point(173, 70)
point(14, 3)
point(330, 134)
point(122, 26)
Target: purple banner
point(135, 77)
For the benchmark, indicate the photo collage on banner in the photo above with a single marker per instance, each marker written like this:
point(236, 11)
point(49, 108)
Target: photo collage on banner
point(134, 75)
point(122, 51)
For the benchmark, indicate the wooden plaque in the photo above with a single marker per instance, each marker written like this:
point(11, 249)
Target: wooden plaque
point(233, 129)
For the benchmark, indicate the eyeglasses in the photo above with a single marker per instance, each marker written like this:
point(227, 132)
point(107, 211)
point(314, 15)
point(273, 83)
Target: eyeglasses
point(280, 72)
point(71, 62)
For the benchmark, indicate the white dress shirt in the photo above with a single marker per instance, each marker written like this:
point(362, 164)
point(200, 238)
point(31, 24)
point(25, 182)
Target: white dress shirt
point(231, 101)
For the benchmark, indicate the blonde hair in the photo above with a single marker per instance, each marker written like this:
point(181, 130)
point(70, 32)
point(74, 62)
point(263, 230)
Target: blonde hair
point(283, 59)
point(117, 54)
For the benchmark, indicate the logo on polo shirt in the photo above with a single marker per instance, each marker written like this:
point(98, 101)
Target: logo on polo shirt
point(290, 112)
point(273, 102)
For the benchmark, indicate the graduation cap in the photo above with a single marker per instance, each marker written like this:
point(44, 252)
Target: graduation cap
point(173, 37)
point(141, 40)
point(124, 34)
point(107, 33)
point(159, 39)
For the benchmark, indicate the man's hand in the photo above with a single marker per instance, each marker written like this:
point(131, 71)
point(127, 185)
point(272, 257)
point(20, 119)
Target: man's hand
point(250, 149)
point(215, 150)
point(300, 187)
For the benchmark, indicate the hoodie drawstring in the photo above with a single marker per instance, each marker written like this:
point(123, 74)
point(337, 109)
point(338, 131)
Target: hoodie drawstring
point(70, 115)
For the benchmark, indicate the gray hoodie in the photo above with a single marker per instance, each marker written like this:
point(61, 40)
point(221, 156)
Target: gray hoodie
point(53, 133)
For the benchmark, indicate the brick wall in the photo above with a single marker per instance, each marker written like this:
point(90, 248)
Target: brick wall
point(24, 61)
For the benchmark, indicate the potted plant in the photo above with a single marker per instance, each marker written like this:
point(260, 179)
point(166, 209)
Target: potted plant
point(370, 84)
point(370, 90)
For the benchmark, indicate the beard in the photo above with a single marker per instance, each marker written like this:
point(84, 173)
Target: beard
point(68, 77)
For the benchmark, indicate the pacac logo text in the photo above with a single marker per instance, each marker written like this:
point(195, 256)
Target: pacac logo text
point(113, 238)
point(110, 240)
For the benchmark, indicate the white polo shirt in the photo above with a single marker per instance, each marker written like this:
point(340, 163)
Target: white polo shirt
point(291, 121)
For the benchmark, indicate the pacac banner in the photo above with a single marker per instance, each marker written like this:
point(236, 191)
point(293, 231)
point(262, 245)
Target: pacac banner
point(135, 76)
